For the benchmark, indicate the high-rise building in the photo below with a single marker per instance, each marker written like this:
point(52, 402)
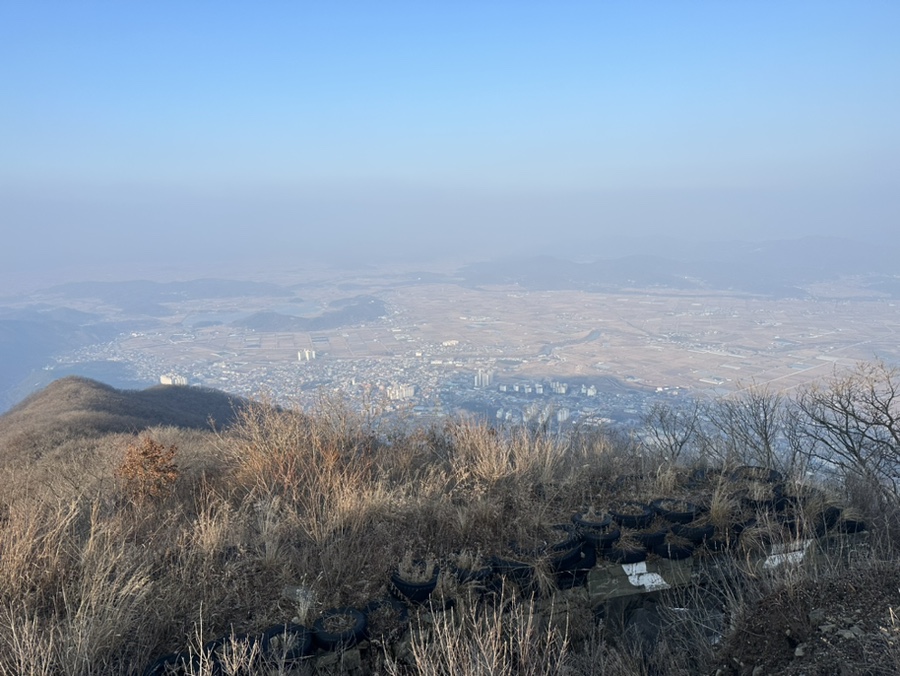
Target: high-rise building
point(172, 379)
point(483, 379)
point(395, 392)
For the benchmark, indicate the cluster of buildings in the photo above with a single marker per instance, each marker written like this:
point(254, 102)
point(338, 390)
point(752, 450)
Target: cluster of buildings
point(428, 382)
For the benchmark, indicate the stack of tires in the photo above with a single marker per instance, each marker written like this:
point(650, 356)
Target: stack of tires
point(565, 555)
point(281, 645)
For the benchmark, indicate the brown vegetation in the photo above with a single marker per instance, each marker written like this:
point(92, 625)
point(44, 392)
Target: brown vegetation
point(116, 556)
point(148, 469)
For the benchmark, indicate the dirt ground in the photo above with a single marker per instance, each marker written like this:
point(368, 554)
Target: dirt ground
point(846, 625)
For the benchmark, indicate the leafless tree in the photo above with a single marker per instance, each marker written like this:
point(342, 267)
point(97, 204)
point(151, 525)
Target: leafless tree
point(851, 425)
point(751, 428)
point(673, 431)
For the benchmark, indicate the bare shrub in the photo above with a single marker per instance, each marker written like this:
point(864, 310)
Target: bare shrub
point(673, 433)
point(851, 426)
point(750, 428)
point(148, 469)
point(322, 467)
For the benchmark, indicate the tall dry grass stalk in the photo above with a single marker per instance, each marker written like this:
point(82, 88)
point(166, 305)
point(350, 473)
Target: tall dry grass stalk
point(485, 456)
point(30, 646)
point(322, 467)
point(470, 641)
point(72, 572)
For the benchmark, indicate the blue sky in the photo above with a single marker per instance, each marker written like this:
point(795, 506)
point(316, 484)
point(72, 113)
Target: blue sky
point(220, 128)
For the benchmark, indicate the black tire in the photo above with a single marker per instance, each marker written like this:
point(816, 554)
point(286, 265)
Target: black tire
point(675, 511)
point(792, 520)
point(585, 524)
point(651, 540)
point(755, 473)
point(298, 639)
point(601, 540)
point(793, 525)
point(630, 480)
point(518, 571)
point(701, 477)
point(827, 519)
point(636, 521)
point(590, 556)
point(331, 641)
point(464, 575)
point(577, 576)
point(696, 534)
point(775, 502)
point(782, 502)
point(569, 560)
point(395, 606)
point(758, 539)
point(573, 540)
point(571, 580)
point(617, 555)
point(741, 526)
point(674, 552)
point(800, 496)
point(852, 526)
point(414, 592)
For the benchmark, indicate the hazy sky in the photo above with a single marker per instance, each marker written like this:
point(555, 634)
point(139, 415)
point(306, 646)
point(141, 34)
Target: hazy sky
point(211, 130)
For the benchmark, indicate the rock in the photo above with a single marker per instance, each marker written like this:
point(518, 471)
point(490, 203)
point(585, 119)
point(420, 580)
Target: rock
point(757, 671)
point(846, 633)
point(827, 628)
point(800, 650)
point(816, 616)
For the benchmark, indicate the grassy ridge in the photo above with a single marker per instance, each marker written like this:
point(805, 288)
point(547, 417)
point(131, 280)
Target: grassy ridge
point(98, 574)
point(85, 407)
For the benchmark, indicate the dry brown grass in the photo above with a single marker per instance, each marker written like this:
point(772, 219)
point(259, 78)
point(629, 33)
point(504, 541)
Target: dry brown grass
point(102, 569)
point(148, 469)
point(504, 639)
point(724, 508)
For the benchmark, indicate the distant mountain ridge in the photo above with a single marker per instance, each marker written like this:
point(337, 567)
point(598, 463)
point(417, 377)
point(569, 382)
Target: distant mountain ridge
point(147, 298)
point(780, 268)
point(346, 311)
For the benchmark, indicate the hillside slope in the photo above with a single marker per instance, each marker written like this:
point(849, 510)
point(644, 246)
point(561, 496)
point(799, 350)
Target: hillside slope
point(75, 407)
point(315, 519)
